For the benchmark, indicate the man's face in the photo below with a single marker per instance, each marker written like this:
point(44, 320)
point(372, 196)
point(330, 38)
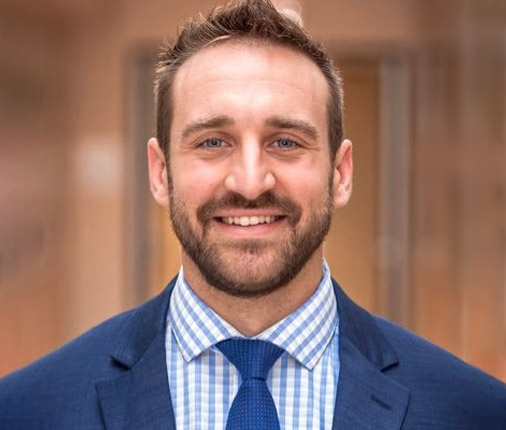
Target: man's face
point(250, 177)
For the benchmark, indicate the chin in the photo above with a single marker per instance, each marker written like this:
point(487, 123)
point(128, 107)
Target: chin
point(250, 277)
point(243, 288)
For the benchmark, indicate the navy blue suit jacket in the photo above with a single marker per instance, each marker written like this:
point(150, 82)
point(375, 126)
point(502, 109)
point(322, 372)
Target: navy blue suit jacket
point(115, 377)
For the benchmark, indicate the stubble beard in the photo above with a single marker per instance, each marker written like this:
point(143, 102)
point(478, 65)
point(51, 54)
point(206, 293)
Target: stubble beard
point(250, 267)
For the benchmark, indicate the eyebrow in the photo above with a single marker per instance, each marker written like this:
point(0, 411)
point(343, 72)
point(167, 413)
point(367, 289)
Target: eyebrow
point(294, 124)
point(205, 124)
point(223, 120)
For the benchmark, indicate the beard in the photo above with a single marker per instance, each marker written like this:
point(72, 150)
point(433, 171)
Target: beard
point(251, 267)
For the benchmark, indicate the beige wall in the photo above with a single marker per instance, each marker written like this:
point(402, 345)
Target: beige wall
point(72, 169)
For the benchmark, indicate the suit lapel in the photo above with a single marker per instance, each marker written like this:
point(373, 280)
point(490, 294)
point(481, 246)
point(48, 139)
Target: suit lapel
point(140, 398)
point(366, 397)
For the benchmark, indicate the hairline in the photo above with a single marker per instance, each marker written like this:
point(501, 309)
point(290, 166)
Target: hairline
point(254, 40)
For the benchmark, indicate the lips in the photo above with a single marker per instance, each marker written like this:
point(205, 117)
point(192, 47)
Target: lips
point(246, 221)
point(235, 210)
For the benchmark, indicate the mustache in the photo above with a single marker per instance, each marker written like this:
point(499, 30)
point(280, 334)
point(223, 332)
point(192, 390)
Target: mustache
point(267, 200)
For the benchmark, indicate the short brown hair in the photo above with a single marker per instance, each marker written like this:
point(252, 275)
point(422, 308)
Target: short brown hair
point(256, 20)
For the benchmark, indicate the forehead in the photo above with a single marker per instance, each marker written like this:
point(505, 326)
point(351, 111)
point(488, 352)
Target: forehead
point(249, 75)
point(227, 54)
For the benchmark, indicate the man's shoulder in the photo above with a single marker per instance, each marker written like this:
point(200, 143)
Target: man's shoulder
point(416, 353)
point(431, 374)
point(440, 382)
point(65, 379)
point(66, 375)
point(71, 356)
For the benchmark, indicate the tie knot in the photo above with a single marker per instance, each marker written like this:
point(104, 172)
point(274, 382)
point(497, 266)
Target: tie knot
point(253, 358)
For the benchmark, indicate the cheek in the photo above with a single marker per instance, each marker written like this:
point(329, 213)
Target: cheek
point(306, 183)
point(196, 184)
point(314, 195)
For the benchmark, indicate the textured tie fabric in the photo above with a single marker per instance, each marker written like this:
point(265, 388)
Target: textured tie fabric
point(253, 407)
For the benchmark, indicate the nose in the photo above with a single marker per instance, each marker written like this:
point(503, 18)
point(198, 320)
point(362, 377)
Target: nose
point(250, 175)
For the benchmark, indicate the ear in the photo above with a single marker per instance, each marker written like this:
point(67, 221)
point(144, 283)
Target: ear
point(158, 173)
point(343, 174)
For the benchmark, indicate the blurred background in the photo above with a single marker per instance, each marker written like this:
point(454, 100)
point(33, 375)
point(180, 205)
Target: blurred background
point(423, 241)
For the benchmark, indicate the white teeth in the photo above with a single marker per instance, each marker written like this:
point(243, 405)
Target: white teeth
point(246, 221)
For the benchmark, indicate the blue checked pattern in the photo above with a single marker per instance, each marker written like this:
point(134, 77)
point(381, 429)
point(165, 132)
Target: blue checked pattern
point(203, 383)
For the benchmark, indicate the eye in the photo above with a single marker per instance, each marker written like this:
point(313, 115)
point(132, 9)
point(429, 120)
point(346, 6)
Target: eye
point(285, 143)
point(212, 142)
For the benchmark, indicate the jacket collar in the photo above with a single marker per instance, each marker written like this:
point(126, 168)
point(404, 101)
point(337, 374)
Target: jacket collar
point(366, 397)
point(142, 325)
point(140, 398)
point(359, 327)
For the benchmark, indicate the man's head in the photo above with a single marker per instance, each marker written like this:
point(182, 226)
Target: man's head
point(251, 180)
point(243, 20)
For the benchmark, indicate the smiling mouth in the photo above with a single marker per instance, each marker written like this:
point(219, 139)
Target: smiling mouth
point(246, 221)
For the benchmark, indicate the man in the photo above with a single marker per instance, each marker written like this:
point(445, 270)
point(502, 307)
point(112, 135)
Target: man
point(250, 162)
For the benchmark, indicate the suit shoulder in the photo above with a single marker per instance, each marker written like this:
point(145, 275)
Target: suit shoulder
point(49, 392)
point(59, 390)
point(89, 354)
point(70, 359)
point(435, 376)
point(57, 386)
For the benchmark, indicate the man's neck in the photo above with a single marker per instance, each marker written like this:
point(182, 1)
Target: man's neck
point(251, 316)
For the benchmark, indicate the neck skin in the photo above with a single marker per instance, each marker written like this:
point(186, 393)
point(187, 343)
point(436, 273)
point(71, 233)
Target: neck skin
point(251, 316)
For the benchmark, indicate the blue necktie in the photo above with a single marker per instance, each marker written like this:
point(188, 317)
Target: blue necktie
point(253, 407)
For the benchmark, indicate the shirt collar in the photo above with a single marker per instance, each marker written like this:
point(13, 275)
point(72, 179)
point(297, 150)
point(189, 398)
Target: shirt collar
point(304, 334)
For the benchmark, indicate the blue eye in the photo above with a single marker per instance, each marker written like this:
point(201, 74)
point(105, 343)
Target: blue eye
point(212, 142)
point(285, 143)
